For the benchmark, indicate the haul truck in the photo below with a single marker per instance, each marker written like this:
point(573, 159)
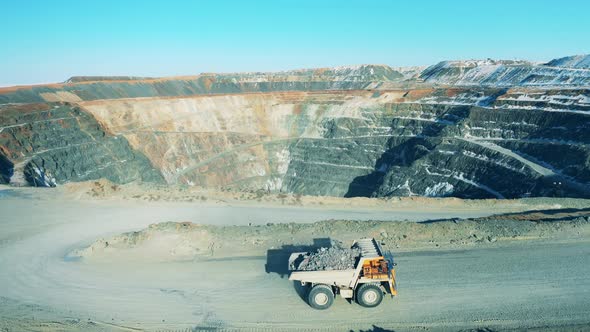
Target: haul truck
point(371, 278)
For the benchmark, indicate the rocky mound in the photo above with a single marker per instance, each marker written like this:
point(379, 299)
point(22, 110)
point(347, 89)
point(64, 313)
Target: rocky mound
point(159, 242)
point(575, 61)
point(78, 79)
point(186, 241)
point(333, 258)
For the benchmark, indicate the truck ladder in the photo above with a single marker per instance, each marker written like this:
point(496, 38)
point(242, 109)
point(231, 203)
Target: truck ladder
point(368, 248)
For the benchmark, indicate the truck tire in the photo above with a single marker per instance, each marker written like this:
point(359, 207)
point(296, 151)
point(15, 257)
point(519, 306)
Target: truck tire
point(320, 297)
point(369, 295)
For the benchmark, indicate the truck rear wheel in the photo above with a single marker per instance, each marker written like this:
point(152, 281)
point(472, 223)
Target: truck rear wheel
point(369, 295)
point(320, 297)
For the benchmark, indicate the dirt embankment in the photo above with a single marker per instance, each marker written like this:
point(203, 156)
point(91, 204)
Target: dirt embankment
point(188, 241)
point(105, 190)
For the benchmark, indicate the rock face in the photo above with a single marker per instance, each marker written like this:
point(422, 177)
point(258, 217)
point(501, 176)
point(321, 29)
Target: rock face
point(51, 143)
point(471, 129)
point(506, 73)
point(576, 61)
point(94, 88)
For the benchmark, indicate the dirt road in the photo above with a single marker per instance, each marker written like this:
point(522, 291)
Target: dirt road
point(515, 286)
point(24, 215)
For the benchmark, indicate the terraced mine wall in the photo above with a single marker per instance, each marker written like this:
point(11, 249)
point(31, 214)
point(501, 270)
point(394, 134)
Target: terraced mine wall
point(344, 132)
point(52, 143)
point(81, 88)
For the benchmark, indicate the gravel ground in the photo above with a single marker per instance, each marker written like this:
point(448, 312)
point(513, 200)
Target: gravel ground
point(510, 271)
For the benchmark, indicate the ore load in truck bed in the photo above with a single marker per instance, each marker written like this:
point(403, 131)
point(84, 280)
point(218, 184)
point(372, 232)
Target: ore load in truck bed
point(326, 259)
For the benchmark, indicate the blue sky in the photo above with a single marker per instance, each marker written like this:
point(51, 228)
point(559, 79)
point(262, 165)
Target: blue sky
point(49, 41)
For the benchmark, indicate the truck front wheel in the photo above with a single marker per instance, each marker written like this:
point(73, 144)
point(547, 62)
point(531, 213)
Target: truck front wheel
point(320, 297)
point(369, 295)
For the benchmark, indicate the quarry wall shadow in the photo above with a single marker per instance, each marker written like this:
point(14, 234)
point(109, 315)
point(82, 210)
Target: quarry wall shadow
point(6, 169)
point(406, 153)
point(560, 184)
point(571, 170)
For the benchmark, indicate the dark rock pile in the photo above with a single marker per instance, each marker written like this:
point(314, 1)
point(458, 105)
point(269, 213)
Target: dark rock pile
point(333, 258)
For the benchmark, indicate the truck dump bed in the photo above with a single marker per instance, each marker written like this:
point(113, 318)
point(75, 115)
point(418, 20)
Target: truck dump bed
point(342, 278)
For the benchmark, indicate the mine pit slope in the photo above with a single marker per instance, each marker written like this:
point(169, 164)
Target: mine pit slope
point(468, 129)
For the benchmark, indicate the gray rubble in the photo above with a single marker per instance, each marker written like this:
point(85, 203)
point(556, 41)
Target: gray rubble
point(333, 258)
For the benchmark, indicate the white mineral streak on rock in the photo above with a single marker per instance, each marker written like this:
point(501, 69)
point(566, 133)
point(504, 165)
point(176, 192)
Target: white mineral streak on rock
point(440, 189)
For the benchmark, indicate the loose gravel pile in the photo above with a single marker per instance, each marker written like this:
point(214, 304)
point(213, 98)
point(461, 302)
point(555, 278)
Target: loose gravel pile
point(333, 258)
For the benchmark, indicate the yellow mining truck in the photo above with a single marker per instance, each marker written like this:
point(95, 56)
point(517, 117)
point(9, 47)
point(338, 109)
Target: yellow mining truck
point(373, 276)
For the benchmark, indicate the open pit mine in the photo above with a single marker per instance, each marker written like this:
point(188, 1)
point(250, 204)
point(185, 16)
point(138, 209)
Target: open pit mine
point(234, 202)
point(468, 129)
